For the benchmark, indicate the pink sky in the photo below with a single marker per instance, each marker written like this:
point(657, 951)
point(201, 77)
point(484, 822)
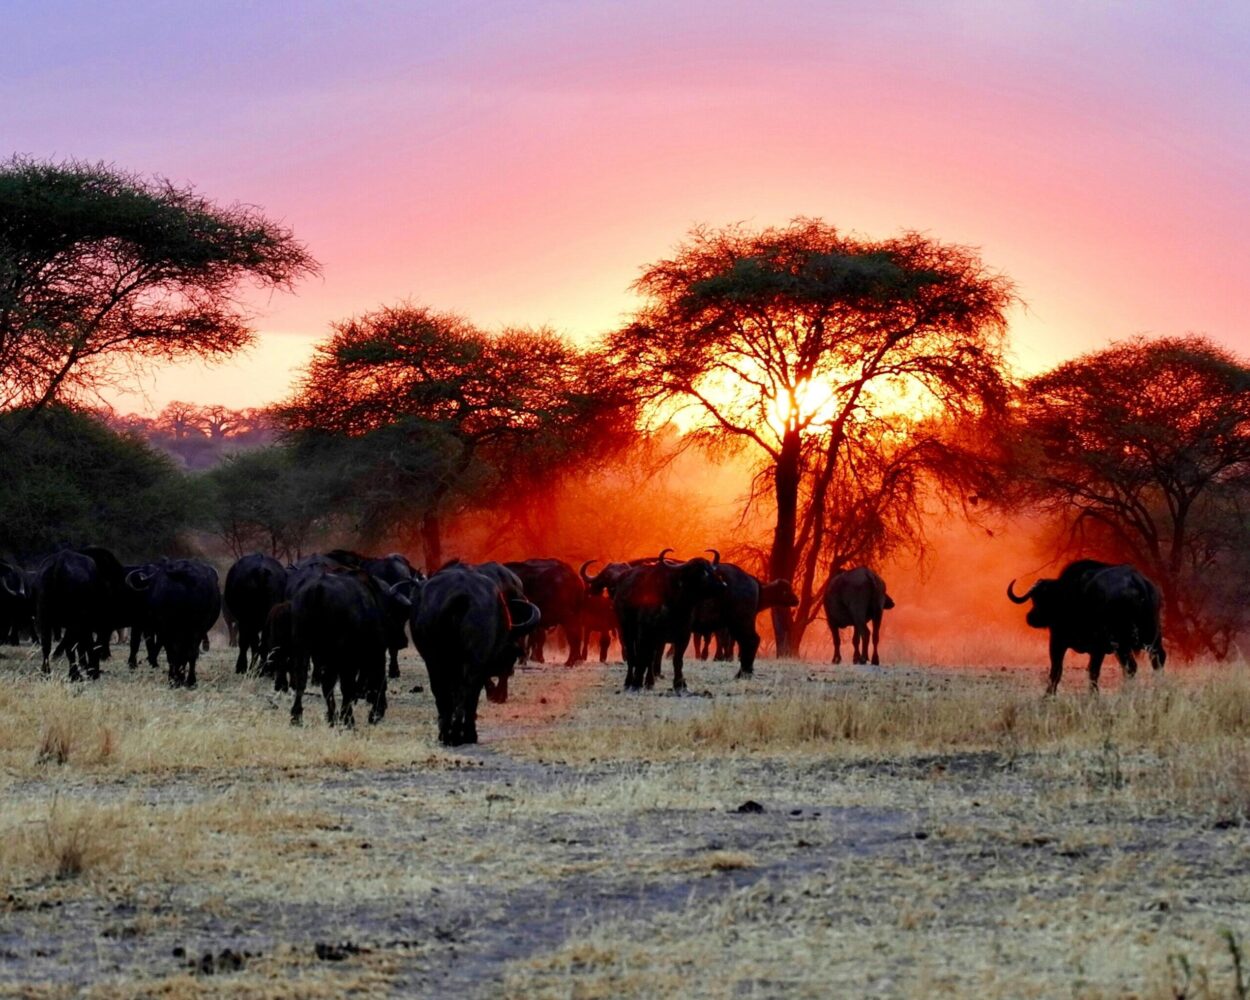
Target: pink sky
point(519, 162)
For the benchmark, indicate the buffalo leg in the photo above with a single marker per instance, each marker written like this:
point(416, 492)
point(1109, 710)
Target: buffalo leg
point(299, 681)
point(837, 645)
point(1095, 670)
point(472, 694)
point(327, 692)
point(193, 654)
point(538, 641)
point(748, 646)
point(701, 645)
point(1157, 655)
point(247, 641)
point(392, 669)
point(377, 711)
point(45, 645)
point(629, 651)
point(859, 640)
point(876, 639)
point(574, 635)
point(605, 640)
point(136, 640)
point(1057, 651)
point(679, 656)
point(175, 666)
point(1128, 662)
point(347, 687)
point(443, 702)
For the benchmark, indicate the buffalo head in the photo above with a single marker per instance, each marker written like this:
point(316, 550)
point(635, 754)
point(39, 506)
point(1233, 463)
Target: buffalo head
point(698, 578)
point(1047, 598)
point(778, 594)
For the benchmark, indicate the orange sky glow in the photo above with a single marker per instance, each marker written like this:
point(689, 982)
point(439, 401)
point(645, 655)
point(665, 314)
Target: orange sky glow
point(520, 162)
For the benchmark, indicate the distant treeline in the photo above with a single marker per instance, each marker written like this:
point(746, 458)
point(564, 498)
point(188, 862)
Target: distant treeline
point(198, 437)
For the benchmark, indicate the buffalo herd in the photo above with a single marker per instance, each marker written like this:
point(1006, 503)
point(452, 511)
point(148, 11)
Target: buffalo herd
point(339, 619)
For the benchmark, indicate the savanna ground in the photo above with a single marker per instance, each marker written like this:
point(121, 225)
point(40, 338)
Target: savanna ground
point(817, 831)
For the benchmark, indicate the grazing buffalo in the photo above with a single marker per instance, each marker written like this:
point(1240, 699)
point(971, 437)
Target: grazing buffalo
point(855, 599)
point(558, 591)
point(183, 603)
point(343, 623)
point(654, 604)
point(254, 585)
point(731, 615)
point(469, 633)
point(1096, 608)
point(78, 594)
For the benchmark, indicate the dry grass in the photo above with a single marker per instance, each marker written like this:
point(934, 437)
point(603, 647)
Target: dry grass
point(1079, 845)
point(924, 712)
point(132, 724)
point(63, 839)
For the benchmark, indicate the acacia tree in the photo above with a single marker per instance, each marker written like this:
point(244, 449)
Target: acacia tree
point(785, 339)
point(1143, 449)
point(477, 411)
point(102, 271)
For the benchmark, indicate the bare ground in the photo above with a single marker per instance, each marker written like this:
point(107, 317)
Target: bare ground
point(813, 832)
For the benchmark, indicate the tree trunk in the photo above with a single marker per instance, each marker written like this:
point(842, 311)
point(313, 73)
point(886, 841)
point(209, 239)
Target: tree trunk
point(432, 540)
point(781, 560)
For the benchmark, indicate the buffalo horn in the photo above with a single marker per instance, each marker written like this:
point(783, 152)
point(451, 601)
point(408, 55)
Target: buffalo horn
point(582, 572)
point(715, 556)
point(144, 579)
point(662, 560)
point(524, 614)
point(5, 582)
point(1021, 598)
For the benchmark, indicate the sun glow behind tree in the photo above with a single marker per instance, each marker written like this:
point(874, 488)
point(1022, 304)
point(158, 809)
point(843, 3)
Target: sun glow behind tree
point(797, 342)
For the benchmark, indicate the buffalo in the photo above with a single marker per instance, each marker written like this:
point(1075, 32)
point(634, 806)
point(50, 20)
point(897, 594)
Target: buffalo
point(1096, 608)
point(254, 585)
point(17, 606)
point(136, 616)
point(470, 633)
point(183, 603)
point(391, 569)
point(854, 599)
point(343, 623)
point(558, 591)
point(655, 604)
point(276, 642)
point(78, 593)
point(730, 616)
point(598, 618)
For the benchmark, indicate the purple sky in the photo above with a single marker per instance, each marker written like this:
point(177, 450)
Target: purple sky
point(519, 162)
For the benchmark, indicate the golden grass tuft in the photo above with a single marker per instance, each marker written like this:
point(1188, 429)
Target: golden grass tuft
point(63, 840)
point(56, 742)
